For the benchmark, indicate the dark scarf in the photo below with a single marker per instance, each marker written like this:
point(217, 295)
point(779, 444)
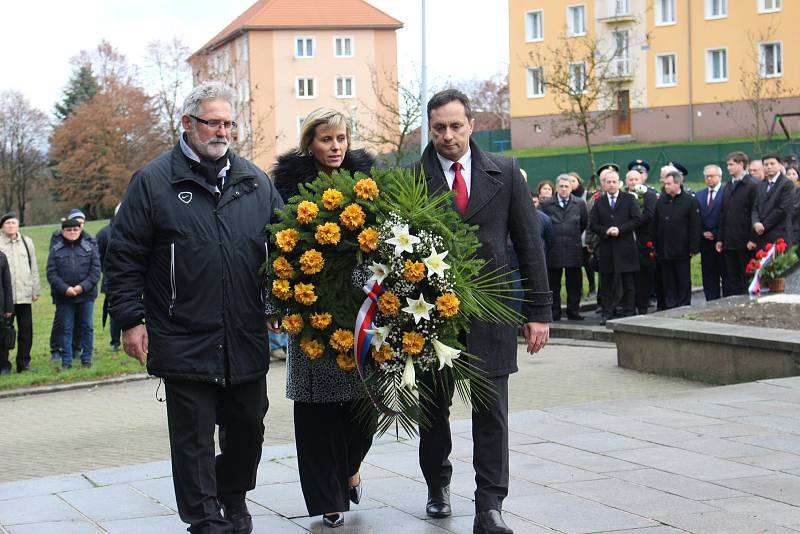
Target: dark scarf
point(209, 170)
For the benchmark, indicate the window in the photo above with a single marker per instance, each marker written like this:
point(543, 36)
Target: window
point(666, 71)
point(665, 12)
point(304, 47)
point(244, 92)
point(717, 65)
point(716, 9)
point(535, 82)
point(769, 6)
point(345, 87)
point(343, 46)
point(241, 48)
point(306, 88)
point(622, 7)
point(576, 20)
point(621, 65)
point(300, 120)
point(577, 77)
point(533, 26)
point(771, 59)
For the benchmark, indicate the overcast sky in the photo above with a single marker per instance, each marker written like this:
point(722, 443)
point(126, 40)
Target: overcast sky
point(466, 38)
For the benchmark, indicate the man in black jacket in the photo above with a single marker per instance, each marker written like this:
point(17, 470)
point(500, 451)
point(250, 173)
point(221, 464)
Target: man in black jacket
point(736, 239)
point(647, 198)
point(183, 285)
point(7, 311)
point(772, 213)
point(677, 230)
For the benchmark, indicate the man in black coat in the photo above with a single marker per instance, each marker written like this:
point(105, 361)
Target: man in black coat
point(103, 238)
point(569, 218)
point(678, 231)
point(614, 219)
point(736, 239)
point(7, 311)
point(647, 198)
point(183, 284)
point(710, 200)
point(772, 213)
point(491, 194)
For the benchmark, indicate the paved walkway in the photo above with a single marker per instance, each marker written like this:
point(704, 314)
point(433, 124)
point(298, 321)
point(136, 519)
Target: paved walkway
point(663, 456)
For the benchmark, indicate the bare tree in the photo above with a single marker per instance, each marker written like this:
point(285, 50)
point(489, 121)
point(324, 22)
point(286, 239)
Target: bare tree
point(171, 76)
point(23, 136)
point(394, 116)
point(490, 95)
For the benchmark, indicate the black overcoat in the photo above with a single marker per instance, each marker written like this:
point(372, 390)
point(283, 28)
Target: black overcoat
point(616, 254)
point(568, 225)
point(735, 221)
point(774, 210)
point(678, 227)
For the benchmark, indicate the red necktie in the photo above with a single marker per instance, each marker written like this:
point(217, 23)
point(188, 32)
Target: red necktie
point(460, 189)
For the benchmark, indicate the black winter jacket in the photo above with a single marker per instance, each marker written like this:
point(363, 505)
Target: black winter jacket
point(71, 263)
point(6, 291)
point(188, 265)
point(293, 169)
point(677, 226)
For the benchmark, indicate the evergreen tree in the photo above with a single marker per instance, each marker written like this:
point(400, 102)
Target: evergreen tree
point(81, 87)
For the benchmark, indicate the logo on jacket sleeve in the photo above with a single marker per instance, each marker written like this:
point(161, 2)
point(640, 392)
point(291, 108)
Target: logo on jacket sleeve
point(185, 196)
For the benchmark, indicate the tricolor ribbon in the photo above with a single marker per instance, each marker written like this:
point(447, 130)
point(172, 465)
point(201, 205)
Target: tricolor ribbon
point(362, 334)
point(755, 285)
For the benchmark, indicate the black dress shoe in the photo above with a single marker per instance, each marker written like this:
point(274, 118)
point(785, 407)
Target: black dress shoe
point(25, 369)
point(355, 493)
point(575, 317)
point(333, 520)
point(490, 522)
point(439, 502)
point(240, 518)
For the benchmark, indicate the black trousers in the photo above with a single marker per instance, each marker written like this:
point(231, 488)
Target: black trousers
point(735, 265)
point(574, 283)
point(676, 276)
point(489, 438)
point(605, 295)
point(24, 338)
point(332, 440)
point(644, 288)
point(713, 270)
point(589, 271)
point(201, 481)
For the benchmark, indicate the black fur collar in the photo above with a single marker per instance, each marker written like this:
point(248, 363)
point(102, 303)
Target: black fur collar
point(294, 168)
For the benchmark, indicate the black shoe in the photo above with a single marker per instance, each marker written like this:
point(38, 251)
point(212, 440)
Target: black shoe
point(556, 318)
point(115, 347)
point(439, 502)
point(86, 365)
point(333, 520)
point(603, 320)
point(25, 369)
point(355, 492)
point(575, 317)
point(240, 518)
point(490, 522)
point(64, 367)
point(5, 371)
point(55, 356)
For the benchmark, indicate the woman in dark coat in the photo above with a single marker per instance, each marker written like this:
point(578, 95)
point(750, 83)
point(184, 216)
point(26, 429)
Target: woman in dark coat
point(332, 437)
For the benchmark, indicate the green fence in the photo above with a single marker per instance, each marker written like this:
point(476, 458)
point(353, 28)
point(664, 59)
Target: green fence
point(694, 157)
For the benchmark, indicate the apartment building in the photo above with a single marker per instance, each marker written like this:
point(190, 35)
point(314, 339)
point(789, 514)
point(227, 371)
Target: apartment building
point(679, 70)
point(286, 58)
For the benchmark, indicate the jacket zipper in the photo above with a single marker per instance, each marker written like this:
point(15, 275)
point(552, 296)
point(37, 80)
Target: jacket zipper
point(172, 277)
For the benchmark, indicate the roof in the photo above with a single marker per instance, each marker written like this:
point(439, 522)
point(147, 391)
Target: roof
point(306, 14)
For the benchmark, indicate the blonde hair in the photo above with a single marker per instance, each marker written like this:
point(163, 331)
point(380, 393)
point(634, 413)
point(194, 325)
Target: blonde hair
point(325, 118)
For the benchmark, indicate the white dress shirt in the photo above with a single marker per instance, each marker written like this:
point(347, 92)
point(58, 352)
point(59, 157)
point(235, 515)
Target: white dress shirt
point(466, 169)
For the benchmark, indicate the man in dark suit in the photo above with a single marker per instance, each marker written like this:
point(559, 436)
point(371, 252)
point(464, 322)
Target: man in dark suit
point(772, 215)
point(614, 218)
point(710, 199)
point(736, 238)
point(677, 230)
point(569, 218)
point(645, 277)
point(491, 194)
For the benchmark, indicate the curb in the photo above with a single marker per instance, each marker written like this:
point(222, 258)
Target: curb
point(54, 388)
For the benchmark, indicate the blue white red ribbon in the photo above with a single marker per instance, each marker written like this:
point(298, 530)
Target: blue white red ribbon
point(362, 334)
point(755, 285)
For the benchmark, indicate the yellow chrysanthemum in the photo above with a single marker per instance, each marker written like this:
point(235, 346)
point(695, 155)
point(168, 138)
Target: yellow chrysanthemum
point(313, 348)
point(353, 217)
point(320, 321)
point(311, 262)
point(281, 289)
point(342, 340)
point(332, 199)
point(366, 189)
point(283, 268)
point(382, 355)
point(293, 323)
point(306, 212)
point(413, 343)
point(388, 303)
point(368, 240)
point(304, 294)
point(414, 271)
point(287, 239)
point(345, 362)
point(448, 304)
point(328, 233)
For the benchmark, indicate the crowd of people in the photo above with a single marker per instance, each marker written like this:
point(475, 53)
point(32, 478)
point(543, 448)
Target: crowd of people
point(641, 240)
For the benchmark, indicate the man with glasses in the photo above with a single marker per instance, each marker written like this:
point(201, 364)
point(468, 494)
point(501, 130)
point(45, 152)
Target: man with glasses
point(183, 284)
point(710, 200)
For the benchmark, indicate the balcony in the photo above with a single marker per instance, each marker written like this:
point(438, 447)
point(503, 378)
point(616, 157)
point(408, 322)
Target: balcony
point(620, 70)
point(615, 12)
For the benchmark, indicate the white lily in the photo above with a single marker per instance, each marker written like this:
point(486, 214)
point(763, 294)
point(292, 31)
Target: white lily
point(435, 263)
point(445, 354)
point(409, 376)
point(379, 335)
point(403, 241)
point(418, 308)
point(379, 272)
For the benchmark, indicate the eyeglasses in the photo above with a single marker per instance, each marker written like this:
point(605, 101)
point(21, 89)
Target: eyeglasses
point(214, 124)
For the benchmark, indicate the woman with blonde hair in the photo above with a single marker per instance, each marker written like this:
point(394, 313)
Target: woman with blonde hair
point(332, 438)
